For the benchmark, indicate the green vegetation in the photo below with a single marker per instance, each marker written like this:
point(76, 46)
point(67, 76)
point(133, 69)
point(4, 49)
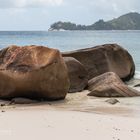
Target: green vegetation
point(130, 21)
point(67, 26)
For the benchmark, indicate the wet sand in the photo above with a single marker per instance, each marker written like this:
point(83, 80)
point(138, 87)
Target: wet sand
point(80, 102)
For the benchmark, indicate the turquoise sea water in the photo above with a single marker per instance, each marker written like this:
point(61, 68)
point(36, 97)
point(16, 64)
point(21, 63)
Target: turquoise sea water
point(71, 40)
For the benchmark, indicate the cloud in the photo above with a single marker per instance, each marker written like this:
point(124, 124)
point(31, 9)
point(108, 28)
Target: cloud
point(107, 5)
point(106, 9)
point(29, 3)
point(25, 16)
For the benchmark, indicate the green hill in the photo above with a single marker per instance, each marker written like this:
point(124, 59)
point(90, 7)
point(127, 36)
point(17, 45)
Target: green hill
point(130, 21)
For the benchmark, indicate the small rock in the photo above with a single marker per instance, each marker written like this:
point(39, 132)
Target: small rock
point(112, 101)
point(2, 105)
point(138, 85)
point(2, 111)
point(22, 101)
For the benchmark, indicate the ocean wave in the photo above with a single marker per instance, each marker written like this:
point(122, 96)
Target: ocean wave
point(137, 75)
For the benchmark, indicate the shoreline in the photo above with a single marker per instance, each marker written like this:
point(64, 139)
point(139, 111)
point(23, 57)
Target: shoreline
point(80, 102)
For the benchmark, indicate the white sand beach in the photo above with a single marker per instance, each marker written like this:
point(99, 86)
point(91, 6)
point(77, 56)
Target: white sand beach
point(77, 117)
point(62, 125)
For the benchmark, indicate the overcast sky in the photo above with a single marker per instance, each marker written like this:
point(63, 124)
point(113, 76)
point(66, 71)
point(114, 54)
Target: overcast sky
point(39, 14)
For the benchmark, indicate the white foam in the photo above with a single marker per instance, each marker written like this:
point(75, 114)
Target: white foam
point(137, 75)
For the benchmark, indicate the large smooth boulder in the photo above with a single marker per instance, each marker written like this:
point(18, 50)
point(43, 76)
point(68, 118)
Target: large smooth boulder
point(110, 85)
point(78, 75)
point(33, 72)
point(105, 58)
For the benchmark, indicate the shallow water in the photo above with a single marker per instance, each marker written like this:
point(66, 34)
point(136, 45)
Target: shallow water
point(71, 40)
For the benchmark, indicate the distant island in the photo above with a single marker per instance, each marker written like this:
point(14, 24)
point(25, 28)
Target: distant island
point(130, 21)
